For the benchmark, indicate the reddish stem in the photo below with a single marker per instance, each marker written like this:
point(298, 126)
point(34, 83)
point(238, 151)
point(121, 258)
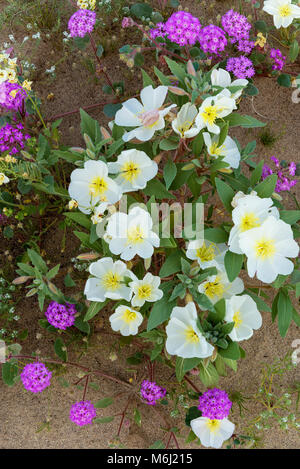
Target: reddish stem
point(192, 384)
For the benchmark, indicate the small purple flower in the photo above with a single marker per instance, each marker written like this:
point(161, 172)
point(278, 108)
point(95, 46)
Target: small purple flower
point(292, 168)
point(127, 22)
point(241, 67)
point(12, 96)
point(12, 138)
point(284, 183)
point(246, 46)
point(278, 59)
point(215, 404)
point(36, 377)
point(81, 23)
point(151, 392)
point(212, 39)
point(182, 28)
point(82, 413)
point(61, 316)
point(236, 26)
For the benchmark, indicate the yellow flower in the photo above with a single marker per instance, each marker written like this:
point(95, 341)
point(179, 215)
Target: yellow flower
point(73, 204)
point(27, 85)
point(260, 40)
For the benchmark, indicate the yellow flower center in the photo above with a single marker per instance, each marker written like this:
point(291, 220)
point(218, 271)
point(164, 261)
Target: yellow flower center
point(98, 186)
point(190, 336)
point(130, 171)
point(213, 425)
point(111, 281)
point(237, 319)
point(265, 248)
point(215, 150)
point(215, 288)
point(135, 235)
point(2, 178)
point(129, 316)
point(144, 291)
point(249, 220)
point(206, 253)
point(185, 127)
point(285, 10)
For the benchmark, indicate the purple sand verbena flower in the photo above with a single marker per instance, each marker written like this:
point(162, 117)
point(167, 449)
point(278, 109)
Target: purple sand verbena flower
point(151, 392)
point(82, 413)
point(182, 28)
point(215, 404)
point(236, 26)
point(81, 23)
point(241, 67)
point(278, 59)
point(212, 39)
point(12, 96)
point(12, 138)
point(35, 377)
point(61, 316)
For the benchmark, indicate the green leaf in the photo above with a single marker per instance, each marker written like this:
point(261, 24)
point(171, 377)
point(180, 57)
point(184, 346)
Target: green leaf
point(139, 59)
point(10, 372)
point(60, 349)
point(233, 264)
point(37, 261)
point(137, 417)
point(8, 232)
point(216, 235)
point(68, 281)
point(80, 218)
point(93, 309)
point(160, 312)
point(141, 10)
point(172, 264)
point(246, 121)
point(168, 144)
point(294, 51)
point(179, 370)
point(107, 401)
point(90, 126)
point(290, 216)
point(147, 80)
point(111, 109)
point(103, 419)
point(285, 312)
point(100, 50)
point(284, 80)
point(208, 375)
point(267, 186)
point(82, 325)
point(232, 351)
point(226, 193)
point(261, 26)
point(155, 187)
point(256, 174)
point(159, 444)
point(198, 144)
point(192, 414)
point(170, 171)
point(176, 69)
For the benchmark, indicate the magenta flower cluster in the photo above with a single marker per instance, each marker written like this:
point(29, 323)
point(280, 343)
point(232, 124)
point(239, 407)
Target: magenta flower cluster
point(246, 46)
point(82, 413)
point(11, 102)
point(61, 316)
point(284, 173)
point(13, 138)
point(236, 26)
point(241, 67)
point(81, 23)
point(152, 392)
point(278, 59)
point(215, 404)
point(182, 28)
point(212, 39)
point(36, 377)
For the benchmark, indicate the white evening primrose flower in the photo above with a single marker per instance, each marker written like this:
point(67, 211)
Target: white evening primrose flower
point(108, 281)
point(283, 12)
point(146, 117)
point(126, 320)
point(145, 290)
point(207, 254)
point(91, 185)
point(130, 235)
point(184, 124)
point(184, 338)
point(239, 195)
point(218, 286)
point(267, 249)
point(212, 433)
point(251, 211)
point(228, 150)
point(242, 310)
point(3, 179)
point(134, 169)
point(3, 76)
point(98, 214)
point(220, 77)
point(214, 108)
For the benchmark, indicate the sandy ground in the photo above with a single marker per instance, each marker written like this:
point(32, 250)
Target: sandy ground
point(22, 414)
